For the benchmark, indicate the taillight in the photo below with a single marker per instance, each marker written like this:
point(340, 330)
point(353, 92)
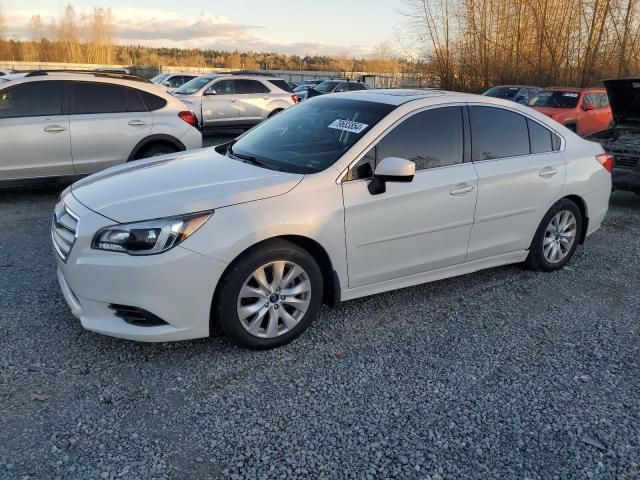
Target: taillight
point(294, 97)
point(189, 117)
point(606, 160)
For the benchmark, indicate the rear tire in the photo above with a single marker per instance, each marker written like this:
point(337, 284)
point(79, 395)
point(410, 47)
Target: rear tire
point(572, 127)
point(269, 296)
point(154, 150)
point(557, 237)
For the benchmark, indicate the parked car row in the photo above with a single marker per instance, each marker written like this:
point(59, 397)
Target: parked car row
point(57, 125)
point(582, 110)
point(610, 116)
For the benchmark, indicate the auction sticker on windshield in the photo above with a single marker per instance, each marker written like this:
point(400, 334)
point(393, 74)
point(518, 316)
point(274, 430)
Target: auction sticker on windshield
point(348, 126)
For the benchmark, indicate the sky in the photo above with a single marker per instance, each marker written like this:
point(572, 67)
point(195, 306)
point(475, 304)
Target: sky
point(304, 27)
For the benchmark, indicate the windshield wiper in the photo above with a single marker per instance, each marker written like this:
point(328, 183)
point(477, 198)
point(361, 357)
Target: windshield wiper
point(249, 158)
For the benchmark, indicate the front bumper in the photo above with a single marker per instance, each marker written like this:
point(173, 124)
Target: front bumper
point(176, 286)
point(626, 179)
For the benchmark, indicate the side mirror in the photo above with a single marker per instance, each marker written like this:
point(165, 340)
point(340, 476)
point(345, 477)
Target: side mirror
point(210, 91)
point(589, 106)
point(391, 169)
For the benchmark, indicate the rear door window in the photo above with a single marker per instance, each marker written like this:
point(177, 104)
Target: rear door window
point(153, 102)
point(356, 86)
point(250, 87)
point(282, 85)
point(541, 139)
point(603, 100)
point(590, 99)
point(135, 103)
point(88, 98)
point(33, 99)
point(497, 133)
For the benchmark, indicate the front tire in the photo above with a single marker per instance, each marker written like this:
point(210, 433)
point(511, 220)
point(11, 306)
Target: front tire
point(557, 237)
point(155, 150)
point(269, 296)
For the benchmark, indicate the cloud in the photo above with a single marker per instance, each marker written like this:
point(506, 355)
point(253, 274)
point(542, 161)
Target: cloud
point(159, 28)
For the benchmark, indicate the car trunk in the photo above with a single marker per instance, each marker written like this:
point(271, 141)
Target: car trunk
point(623, 139)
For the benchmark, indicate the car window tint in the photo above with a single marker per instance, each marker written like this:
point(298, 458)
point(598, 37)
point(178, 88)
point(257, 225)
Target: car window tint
point(225, 87)
point(134, 101)
point(343, 87)
point(497, 133)
point(31, 100)
point(430, 139)
point(175, 82)
point(590, 99)
point(356, 86)
point(98, 98)
point(282, 85)
point(153, 102)
point(250, 86)
point(541, 139)
point(603, 100)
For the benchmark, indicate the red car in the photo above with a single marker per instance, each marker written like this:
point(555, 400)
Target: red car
point(583, 110)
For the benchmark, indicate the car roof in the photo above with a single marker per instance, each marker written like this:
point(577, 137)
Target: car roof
point(515, 86)
point(399, 96)
point(248, 76)
point(191, 74)
point(566, 89)
point(83, 77)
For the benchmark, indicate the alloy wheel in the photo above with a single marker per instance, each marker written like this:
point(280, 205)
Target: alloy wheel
point(274, 299)
point(559, 236)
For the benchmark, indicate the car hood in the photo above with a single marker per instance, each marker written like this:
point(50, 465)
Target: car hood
point(178, 183)
point(624, 97)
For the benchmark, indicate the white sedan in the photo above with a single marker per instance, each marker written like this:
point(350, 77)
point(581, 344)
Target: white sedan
point(343, 196)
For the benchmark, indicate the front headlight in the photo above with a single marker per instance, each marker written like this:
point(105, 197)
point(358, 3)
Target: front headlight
point(150, 237)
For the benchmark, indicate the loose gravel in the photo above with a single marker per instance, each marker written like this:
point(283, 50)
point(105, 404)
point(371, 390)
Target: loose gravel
point(501, 374)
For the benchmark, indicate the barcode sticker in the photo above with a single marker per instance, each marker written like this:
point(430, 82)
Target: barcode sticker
point(348, 126)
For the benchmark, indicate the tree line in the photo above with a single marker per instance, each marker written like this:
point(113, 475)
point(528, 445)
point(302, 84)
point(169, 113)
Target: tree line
point(472, 44)
point(90, 38)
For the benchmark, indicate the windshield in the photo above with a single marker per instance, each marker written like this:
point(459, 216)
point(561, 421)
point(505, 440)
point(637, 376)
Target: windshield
point(192, 86)
point(507, 93)
point(555, 99)
point(159, 78)
point(311, 136)
point(326, 87)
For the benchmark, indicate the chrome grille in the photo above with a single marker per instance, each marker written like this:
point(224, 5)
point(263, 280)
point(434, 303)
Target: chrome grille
point(63, 230)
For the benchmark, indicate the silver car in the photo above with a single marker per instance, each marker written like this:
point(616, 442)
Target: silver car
point(171, 81)
point(60, 125)
point(233, 100)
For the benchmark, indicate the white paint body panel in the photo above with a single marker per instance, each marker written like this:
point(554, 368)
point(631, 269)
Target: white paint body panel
point(416, 232)
point(88, 143)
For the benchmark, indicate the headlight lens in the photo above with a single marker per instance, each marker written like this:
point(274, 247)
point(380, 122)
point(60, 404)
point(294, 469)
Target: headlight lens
point(150, 237)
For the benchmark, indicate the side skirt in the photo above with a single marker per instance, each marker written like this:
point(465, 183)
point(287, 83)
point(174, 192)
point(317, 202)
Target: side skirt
point(433, 275)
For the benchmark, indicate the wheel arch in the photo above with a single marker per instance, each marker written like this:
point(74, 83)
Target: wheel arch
point(582, 206)
point(158, 138)
point(330, 278)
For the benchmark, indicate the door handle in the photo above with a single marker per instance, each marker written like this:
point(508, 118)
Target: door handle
point(137, 123)
point(461, 189)
point(234, 100)
point(548, 172)
point(54, 128)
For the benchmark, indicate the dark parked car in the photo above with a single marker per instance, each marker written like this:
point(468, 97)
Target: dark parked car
point(623, 138)
point(516, 93)
point(335, 86)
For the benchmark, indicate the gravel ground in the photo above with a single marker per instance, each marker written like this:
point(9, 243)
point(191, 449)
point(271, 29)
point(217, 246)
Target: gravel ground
point(500, 374)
